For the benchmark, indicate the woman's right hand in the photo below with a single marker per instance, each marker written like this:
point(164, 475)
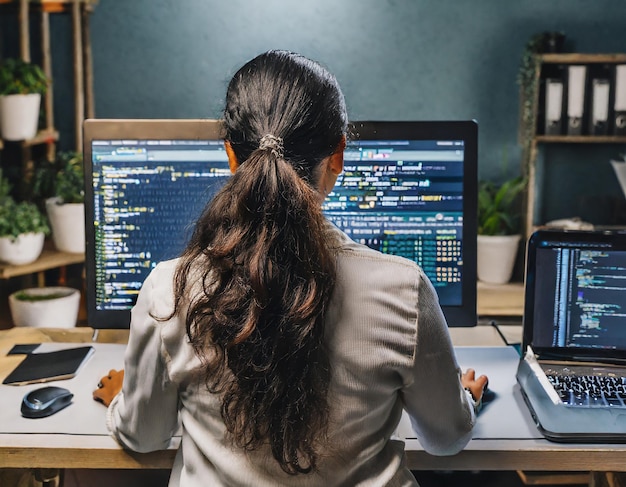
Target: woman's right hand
point(475, 386)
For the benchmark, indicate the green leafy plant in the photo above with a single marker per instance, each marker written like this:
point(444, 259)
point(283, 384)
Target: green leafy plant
point(18, 77)
point(499, 207)
point(62, 178)
point(528, 79)
point(25, 296)
point(18, 218)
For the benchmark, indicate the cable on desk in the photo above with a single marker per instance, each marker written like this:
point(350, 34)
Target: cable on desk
point(495, 325)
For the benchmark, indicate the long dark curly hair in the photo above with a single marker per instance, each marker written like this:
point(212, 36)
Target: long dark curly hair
point(267, 273)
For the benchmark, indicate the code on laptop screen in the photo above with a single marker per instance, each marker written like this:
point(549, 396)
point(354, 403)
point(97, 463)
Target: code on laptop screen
point(582, 291)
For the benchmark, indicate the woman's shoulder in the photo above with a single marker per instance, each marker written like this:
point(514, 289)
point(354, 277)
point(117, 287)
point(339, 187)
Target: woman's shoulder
point(161, 271)
point(159, 284)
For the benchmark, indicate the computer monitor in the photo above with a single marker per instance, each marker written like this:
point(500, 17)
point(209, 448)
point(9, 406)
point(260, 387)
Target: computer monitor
point(408, 188)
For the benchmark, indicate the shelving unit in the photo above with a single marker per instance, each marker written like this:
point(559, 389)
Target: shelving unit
point(83, 70)
point(531, 152)
point(29, 13)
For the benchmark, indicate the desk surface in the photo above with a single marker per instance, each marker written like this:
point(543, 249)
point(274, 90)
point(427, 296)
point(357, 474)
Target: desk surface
point(50, 450)
point(528, 452)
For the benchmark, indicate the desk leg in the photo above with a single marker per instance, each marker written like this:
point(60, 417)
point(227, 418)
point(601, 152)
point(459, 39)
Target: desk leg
point(607, 479)
point(49, 477)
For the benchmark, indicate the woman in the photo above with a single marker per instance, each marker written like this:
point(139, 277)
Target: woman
point(287, 350)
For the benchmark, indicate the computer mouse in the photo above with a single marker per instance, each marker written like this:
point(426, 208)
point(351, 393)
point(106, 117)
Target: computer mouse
point(488, 395)
point(45, 401)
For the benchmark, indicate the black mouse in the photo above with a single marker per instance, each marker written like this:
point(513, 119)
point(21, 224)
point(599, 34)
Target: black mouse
point(45, 401)
point(488, 395)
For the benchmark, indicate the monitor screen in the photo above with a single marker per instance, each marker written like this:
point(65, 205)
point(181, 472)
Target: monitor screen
point(408, 188)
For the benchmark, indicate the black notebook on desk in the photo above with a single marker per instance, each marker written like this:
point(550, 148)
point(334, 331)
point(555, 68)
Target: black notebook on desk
point(49, 366)
point(573, 372)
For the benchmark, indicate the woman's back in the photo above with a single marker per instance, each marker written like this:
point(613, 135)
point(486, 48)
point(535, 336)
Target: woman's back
point(372, 332)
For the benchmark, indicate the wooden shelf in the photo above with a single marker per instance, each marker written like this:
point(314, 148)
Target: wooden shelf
point(45, 136)
point(582, 58)
point(582, 139)
point(49, 259)
point(500, 299)
point(52, 6)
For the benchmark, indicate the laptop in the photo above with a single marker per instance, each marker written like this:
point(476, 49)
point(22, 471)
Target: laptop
point(572, 373)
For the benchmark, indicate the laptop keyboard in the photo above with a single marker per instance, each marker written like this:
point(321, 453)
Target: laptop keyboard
point(589, 391)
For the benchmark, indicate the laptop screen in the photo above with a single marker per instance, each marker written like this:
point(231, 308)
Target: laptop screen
point(576, 294)
point(408, 188)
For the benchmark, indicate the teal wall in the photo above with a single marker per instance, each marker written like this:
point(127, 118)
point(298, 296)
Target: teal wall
point(395, 59)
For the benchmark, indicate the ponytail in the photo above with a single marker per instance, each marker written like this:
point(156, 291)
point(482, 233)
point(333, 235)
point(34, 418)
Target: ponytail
point(267, 273)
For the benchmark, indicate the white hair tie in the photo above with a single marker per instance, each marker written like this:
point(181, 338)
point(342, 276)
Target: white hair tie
point(269, 141)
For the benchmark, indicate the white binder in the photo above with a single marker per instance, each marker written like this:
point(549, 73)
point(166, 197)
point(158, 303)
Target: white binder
point(554, 106)
point(599, 120)
point(576, 79)
point(619, 104)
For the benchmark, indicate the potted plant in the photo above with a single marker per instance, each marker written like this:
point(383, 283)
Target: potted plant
point(60, 184)
point(55, 307)
point(22, 228)
point(499, 229)
point(21, 86)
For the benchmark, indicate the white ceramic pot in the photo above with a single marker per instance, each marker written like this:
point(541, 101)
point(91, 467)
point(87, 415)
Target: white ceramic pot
point(59, 311)
point(26, 248)
point(496, 257)
point(19, 115)
point(68, 225)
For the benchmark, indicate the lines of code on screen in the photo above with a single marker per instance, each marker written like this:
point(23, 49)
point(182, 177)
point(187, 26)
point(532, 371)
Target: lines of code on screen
point(598, 296)
point(147, 196)
point(581, 296)
point(406, 198)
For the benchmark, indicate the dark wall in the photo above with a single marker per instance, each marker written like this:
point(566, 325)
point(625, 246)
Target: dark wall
point(395, 59)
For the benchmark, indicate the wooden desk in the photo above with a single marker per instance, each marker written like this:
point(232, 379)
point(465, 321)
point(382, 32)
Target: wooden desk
point(68, 451)
point(91, 452)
